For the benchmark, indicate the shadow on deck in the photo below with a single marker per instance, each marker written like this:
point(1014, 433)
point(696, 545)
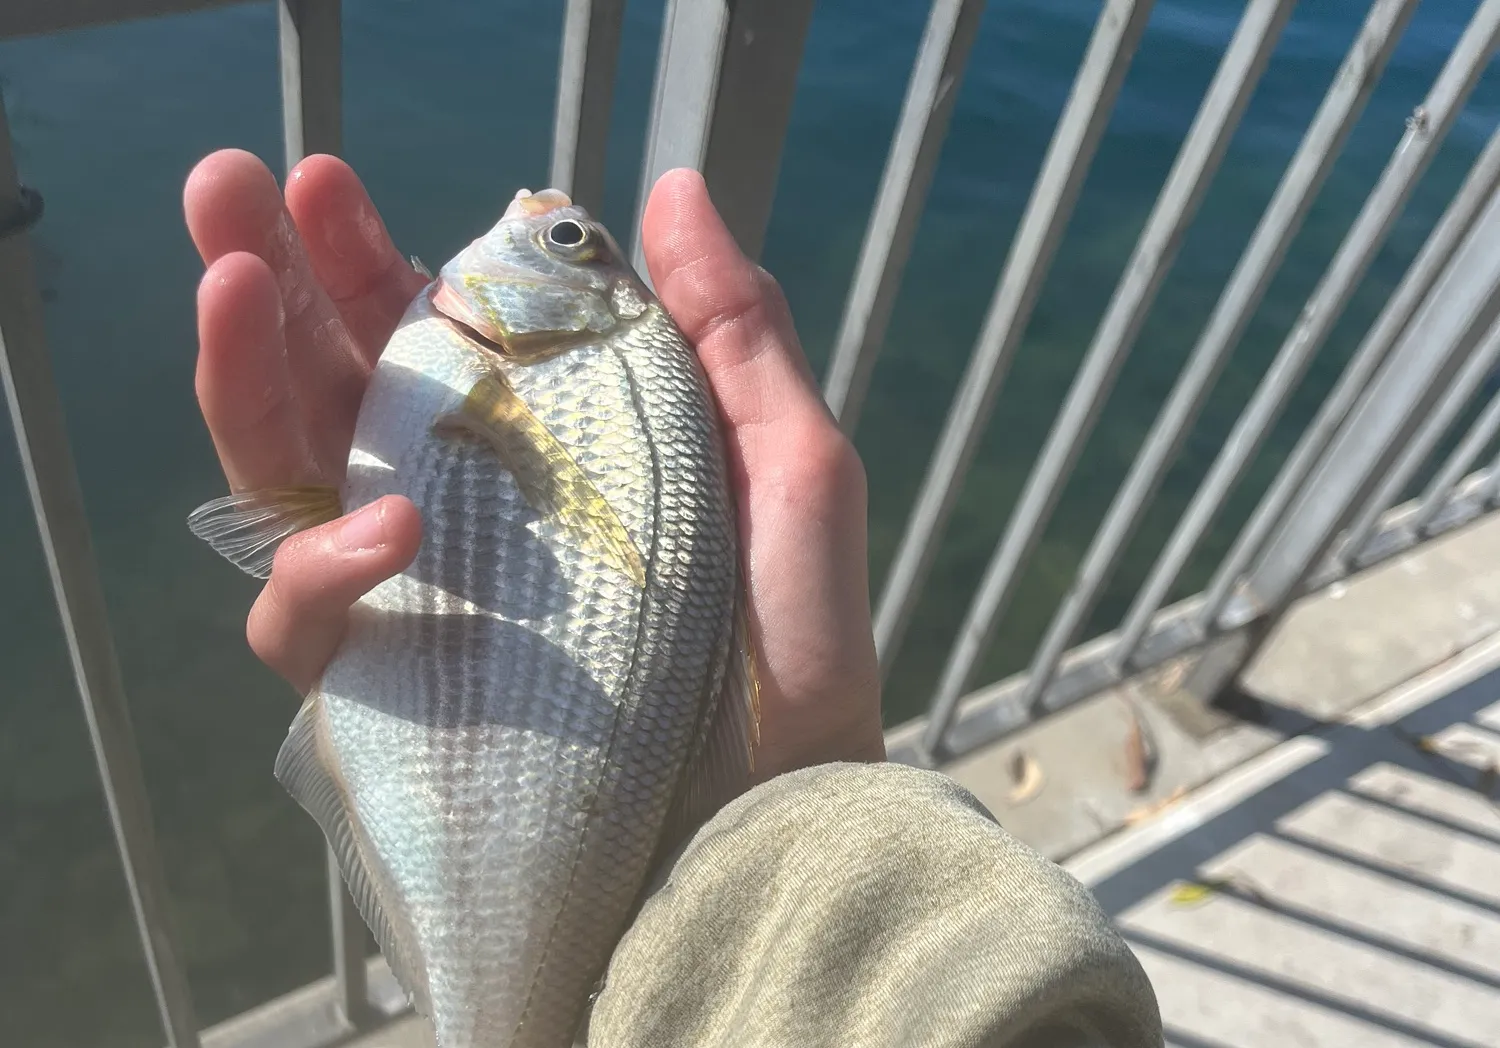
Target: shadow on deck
point(1342, 888)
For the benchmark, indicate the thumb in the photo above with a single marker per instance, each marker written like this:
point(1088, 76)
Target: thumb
point(728, 307)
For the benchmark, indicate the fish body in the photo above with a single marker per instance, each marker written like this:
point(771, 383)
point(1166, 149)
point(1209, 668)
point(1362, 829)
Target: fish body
point(561, 683)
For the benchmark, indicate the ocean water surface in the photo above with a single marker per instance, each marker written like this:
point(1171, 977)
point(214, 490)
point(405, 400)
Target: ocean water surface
point(448, 111)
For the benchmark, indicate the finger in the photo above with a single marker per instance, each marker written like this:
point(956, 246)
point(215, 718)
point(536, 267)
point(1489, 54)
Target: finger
point(243, 386)
point(300, 617)
point(351, 253)
point(726, 305)
point(232, 203)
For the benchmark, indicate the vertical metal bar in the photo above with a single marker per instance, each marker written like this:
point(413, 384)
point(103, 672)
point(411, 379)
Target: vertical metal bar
point(347, 936)
point(1066, 166)
point(1432, 427)
point(311, 77)
point(1435, 498)
point(688, 61)
point(1204, 147)
point(1321, 146)
point(725, 77)
point(312, 119)
point(585, 93)
point(52, 482)
point(349, 949)
point(1460, 310)
point(920, 130)
point(1425, 132)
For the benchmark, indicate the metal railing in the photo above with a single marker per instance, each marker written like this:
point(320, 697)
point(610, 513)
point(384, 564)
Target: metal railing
point(725, 82)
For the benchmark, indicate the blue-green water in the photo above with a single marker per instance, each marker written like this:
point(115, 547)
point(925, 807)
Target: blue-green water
point(448, 111)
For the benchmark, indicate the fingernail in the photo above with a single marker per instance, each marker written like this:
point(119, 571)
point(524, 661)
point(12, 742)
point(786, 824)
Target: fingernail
point(364, 531)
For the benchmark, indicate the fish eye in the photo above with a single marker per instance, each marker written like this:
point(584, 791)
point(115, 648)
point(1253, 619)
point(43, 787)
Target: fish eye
point(566, 233)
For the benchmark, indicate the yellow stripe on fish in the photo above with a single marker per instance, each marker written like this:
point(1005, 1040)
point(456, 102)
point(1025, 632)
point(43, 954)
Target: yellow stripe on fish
point(553, 484)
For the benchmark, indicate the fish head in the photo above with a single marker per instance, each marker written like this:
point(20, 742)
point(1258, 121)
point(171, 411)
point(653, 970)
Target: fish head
point(546, 278)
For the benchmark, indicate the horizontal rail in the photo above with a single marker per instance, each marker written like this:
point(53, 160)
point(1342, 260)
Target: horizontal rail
point(990, 713)
point(994, 711)
point(36, 17)
point(309, 1016)
point(1397, 534)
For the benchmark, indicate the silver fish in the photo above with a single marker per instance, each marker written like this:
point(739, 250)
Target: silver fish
point(561, 685)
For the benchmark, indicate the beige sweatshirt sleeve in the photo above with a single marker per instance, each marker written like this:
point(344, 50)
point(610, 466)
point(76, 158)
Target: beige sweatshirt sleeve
point(869, 905)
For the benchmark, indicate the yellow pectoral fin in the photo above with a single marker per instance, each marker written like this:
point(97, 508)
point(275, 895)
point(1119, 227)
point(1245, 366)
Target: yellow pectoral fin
point(248, 527)
point(551, 481)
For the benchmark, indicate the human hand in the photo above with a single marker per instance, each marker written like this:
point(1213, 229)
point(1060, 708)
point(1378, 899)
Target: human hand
point(297, 303)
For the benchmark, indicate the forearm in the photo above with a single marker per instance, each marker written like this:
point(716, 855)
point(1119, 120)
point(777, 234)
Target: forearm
point(872, 904)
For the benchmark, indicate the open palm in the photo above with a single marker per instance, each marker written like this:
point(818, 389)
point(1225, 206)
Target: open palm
point(300, 296)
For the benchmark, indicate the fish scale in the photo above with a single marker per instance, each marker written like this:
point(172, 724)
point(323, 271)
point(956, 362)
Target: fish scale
point(561, 683)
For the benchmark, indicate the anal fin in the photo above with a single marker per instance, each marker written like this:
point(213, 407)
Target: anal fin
point(308, 774)
point(248, 527)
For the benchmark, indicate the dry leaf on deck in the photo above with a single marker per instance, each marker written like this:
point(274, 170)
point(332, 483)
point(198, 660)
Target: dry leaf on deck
point(1025, 776)
point(1140, 755)
point(1145, 812)
point(1197, 892)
